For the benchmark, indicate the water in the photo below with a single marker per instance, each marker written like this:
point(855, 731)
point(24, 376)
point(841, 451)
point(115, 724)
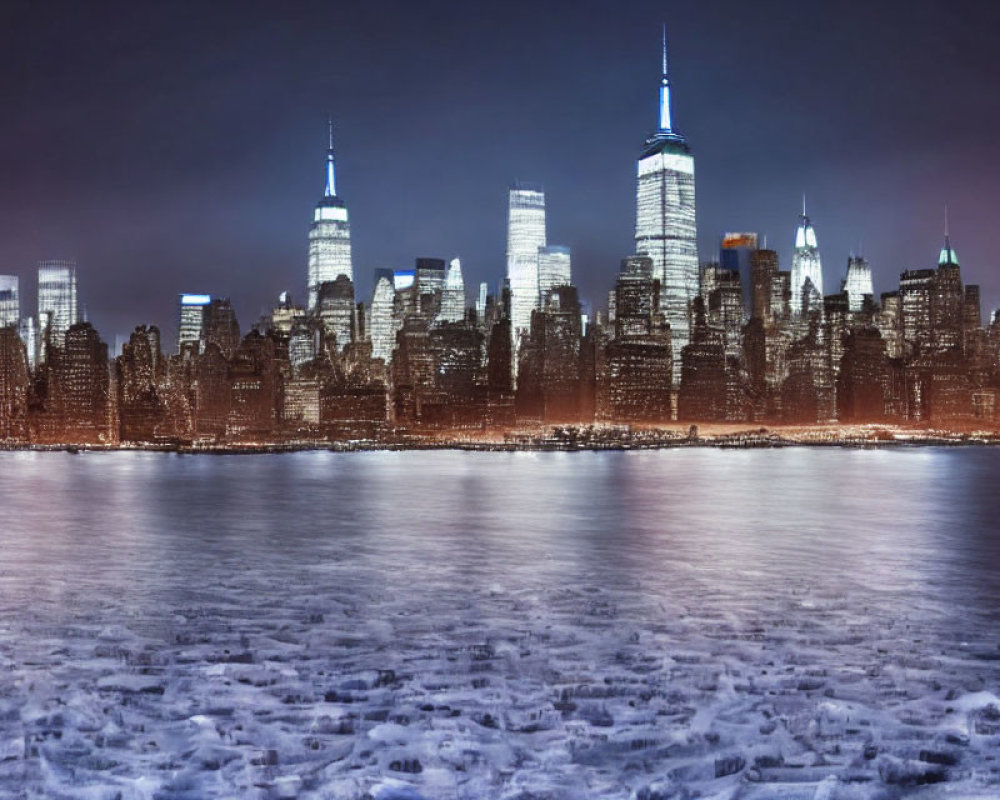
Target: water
point(812, 623)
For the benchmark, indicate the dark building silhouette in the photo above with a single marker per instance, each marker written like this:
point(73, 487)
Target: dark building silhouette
point(548, 383)
point(220, 327)
point(139, 372)
point(14, 386)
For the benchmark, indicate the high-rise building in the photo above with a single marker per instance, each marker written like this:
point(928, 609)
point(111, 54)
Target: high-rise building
point(329, 235)
point(481, 303)
point(57, 301)
point(429, 273)
point(764, 271)
point(554, 269)
point(525, 235)
point(83, 380)
point(453, 294)
point(665, 228)
point(336, 310)
point(806, 267)
point(221, 327)
point(191, 323)
point(858, 282)
point(382, 322)
point(10, 301)
point(28, 331)
point(735, 253)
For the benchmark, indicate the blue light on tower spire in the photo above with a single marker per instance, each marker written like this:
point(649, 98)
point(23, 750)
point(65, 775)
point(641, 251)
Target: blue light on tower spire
point(331, 180)
point(665, 135)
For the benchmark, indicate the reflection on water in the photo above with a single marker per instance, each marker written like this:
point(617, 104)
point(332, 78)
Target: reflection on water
point(729, 593)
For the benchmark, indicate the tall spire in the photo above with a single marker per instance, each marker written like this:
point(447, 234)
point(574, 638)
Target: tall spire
point(665, 124)
point(947, 255)
point(331, 181)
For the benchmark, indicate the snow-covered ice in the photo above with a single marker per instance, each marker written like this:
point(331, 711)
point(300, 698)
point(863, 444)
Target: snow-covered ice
point(815, 624)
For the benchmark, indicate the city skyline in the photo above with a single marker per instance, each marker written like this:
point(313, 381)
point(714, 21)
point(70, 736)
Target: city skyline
point(119, 299)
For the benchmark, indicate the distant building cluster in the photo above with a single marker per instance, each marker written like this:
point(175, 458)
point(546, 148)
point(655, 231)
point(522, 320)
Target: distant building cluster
point(735, 340)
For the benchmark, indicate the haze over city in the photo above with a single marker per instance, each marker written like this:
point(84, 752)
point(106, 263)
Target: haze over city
point(182, 150)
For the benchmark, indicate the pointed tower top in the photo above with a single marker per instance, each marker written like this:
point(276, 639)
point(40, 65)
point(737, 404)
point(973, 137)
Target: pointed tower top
point(665, 133)
point(805, 234)
point(331, 179)
point(947, 256)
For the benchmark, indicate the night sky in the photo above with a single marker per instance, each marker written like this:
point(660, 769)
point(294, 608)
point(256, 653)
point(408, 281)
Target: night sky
point(179, 146)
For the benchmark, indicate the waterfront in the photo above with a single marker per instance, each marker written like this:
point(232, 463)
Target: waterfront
point(797, 623)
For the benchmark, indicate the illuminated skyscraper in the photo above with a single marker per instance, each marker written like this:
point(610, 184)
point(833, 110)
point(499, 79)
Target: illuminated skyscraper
point(806, 267)
point(858, 282)
point(10, 301)
point(382, 322)
point(665, 228)
point(191, 324)
point(335, 309)
point(554, 269)
point(525, 234)
point(329, 235)
point(481, 302)
point(453, 294)
point(57, 302)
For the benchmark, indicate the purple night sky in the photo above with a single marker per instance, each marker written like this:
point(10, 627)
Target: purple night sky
point(175, 147)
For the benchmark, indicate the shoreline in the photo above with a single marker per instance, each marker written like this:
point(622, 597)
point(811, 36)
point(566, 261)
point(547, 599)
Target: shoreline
point(570, 439)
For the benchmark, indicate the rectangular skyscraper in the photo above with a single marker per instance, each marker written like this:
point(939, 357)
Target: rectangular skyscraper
point(10, 301)
point(665, 219)
point(554, 269)
point(735, 253)
point(525, 235)
point(191, 325)
point(57, 300)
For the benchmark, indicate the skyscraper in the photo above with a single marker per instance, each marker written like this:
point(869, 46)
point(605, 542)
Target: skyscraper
point(191, 323)
point(525, 234)
point(858, 282)
point(453, 294)
point(806, 266)
point(382, 323)
point(10, 301)
point(735, 253)
point(329, 235)
point(57, 301)
point(665, 228)
point(554, 269)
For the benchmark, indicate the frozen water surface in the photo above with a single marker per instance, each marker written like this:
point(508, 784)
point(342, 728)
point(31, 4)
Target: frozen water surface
point(795, 623)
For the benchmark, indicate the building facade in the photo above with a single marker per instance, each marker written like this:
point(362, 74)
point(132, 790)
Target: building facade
point(58, 308)
point(525, 235)
point(10, 301)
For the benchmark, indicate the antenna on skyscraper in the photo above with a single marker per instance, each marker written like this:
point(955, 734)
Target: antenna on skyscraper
point(664, 51)
point(331, 178)
point(803, 204)
point(947, 233)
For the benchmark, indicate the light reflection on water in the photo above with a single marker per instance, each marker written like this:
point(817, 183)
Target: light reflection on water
point(913, 526)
